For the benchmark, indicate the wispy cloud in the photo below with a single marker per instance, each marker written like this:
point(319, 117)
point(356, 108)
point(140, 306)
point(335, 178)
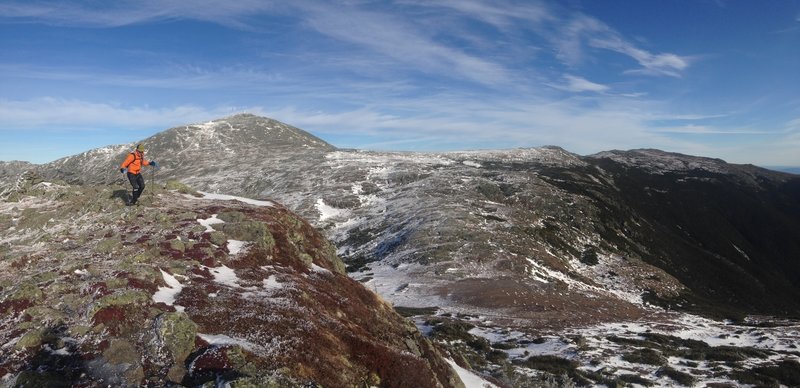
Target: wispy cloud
point(69, 114)
point(404, 42)
point(579, 84)
point(501, 14)
point(175, 77)
point(124, 13)
point(584, 31)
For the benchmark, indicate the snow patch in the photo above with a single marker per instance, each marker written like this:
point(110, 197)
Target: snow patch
point(224, 340)
point(318, 269)
point(271, 283)
point(470, 163)
point(327, 212)
point(210, 221)
point(235, 246)
point(167, 294)
point(224, 197)
point(470, 379)
point(225, 276)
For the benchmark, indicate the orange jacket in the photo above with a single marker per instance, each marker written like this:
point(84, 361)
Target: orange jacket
point(134, 162)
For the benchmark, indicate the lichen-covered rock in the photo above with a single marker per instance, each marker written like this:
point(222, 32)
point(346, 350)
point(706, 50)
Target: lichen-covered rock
point(177, 245)
point(111, 295)
point(27, 290)
point(252, 231)
point(217, 238)
point(125, 298)
point(31, 339)
point(174, 341)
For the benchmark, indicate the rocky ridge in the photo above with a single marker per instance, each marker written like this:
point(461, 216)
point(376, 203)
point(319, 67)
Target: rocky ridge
point(516, 260)
point(190, 291)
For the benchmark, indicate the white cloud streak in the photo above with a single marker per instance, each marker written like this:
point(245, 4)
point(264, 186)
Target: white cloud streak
point(583, 31)
point(130, 12)
point(57, 113)
point(577, 84)
point(402, 41)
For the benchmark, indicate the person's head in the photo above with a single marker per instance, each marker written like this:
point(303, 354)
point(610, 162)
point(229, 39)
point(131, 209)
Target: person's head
point(140, 147)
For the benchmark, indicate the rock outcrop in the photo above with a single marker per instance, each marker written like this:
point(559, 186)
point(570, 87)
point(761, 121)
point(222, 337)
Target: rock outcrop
point(190, 291)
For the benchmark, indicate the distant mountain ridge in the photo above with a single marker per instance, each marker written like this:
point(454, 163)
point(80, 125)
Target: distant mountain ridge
point(790, 170)
point(424, 228)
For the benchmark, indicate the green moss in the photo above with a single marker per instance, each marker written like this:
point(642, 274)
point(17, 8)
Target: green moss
point(115, 283)
point(79, 330)
point(232, 216)
point(108, 245)
point(31, 339)
point(177, 333)
point(143, 257)
point(180, 187)
point(45, 314)
point(329, 252)
point(218, 238)
point(177, 245)
point(33, 218)
point(45, 277)
point(187, 216)
point(306, 259)
point(27, 290)
point(119, 299)
point(252, 231)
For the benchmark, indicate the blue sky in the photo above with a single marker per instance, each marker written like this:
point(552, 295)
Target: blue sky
point(712, 78)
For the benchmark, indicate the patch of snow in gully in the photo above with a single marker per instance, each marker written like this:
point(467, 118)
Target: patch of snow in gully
point(327, 212)
point(210, 221)
point(470, 379)
point(167, 294)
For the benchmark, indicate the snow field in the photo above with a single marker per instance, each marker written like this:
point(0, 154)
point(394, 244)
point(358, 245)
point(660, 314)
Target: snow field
point(595, 352)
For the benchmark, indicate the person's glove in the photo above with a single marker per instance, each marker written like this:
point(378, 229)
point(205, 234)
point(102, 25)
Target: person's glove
point(153, 163)
point(123, 170)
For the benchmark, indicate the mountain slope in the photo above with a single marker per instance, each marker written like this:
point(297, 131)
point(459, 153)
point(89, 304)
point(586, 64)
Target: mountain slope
point(727, 232)
point(189, 291)
point(507, 232)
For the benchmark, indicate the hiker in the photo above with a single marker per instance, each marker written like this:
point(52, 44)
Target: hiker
point(133, 166)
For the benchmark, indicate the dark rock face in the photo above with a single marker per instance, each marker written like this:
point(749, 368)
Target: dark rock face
point(182, 290)
point(729, 233)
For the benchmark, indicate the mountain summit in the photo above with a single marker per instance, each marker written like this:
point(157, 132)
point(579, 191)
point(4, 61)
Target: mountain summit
point(198, 150)
point(228, 135)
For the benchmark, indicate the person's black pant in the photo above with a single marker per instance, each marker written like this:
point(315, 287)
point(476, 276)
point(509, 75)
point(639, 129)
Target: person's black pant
point(137, 181)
